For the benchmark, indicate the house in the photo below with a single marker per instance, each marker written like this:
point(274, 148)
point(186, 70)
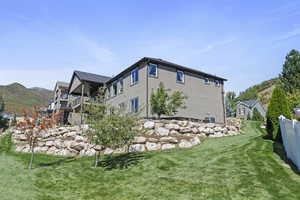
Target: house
point(60, 100)
point(131, 89)
point(245, 109)
point(82, 88)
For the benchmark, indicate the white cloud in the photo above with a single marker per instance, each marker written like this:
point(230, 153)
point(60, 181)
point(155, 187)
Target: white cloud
point(215, 45)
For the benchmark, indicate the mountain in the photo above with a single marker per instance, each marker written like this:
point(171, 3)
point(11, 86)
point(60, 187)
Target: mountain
point(262, 91)
point(17, 97)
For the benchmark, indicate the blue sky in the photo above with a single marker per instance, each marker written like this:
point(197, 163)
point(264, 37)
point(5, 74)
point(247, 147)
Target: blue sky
point(244, 41)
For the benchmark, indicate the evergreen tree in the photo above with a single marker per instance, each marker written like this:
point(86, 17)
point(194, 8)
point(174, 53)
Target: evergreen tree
point(162, 103)
point(290, 76)
point(2, 105)
point(256, 116)
point(278, 106)
point(230, 102)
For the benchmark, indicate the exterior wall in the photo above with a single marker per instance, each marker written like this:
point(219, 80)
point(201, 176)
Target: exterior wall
point(260, 109)
point(243, 111)
point(203, 100)
point(75, 84)
point(131, 92)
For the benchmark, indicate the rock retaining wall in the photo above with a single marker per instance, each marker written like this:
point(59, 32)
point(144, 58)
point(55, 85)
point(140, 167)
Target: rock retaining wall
point(156, 135)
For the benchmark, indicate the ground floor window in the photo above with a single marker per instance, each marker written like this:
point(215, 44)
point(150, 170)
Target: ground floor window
point(135, 105)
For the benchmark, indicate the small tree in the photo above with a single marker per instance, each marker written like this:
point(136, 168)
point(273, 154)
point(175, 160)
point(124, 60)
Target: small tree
point(162, 103)
point(230, 102)
point(256, 116)
point(114, 130)
point(3, 121)
point(278, 106)
point(33, 126)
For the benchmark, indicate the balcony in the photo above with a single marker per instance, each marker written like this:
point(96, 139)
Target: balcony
point(77, 102)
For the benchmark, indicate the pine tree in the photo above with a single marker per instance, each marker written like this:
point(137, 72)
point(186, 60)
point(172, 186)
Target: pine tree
point(290, 76)
point(230, 102)
point(2, 105)
point(278, 106)
point(256, 116)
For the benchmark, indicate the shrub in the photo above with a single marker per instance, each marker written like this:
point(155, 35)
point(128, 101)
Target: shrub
point(278, 106)
point(256, 116)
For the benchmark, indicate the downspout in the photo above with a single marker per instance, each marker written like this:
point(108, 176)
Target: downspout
point(147, 94)
point(224, 112)
point(81, 102)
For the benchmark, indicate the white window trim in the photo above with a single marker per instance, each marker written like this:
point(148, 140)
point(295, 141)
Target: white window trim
point(206, 81)
point(156, 70)
point(217, 82)
point(131, 76)
point(183, 77)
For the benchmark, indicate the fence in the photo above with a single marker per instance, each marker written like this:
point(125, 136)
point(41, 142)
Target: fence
point(290, 131)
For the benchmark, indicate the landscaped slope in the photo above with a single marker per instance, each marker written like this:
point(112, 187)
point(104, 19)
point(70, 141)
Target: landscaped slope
point(17, 97)
point(237, 167)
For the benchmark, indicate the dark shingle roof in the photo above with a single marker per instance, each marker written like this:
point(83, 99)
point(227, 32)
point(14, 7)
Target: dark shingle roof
point(250, 103)
point(85, 76)
point(62, 84)
point(166, 63)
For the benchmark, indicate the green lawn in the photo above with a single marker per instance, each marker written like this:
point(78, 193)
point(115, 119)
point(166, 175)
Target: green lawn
point(238, 167)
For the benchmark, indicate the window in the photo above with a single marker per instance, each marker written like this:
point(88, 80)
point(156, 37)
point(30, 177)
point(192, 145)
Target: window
point(122, 106)
point(152, 70)
point(217, 83)
point(121, 86)
point(134, 76)
point(108, 92)
point(206, 81)
point(180, 77)
point(115, 89)
point(135, 105)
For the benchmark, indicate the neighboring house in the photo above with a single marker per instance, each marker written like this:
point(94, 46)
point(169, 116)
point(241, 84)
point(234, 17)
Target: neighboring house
point(60, 100)
point(83, 87)
point(245, 109)
point(131, 89)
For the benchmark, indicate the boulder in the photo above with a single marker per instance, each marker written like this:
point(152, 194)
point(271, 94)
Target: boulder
point(168, 140)
point(50, 143)
point(174, 132)
point(77, 146)
point(195, 141)
point(108, 151)
point(185, 130)
point(79, 138)
point(168, 146)
point(185, 144)
point(22, 137)
point(193, 124)
point(150, 132)
point(151, 146)
point(162, 131)
point(139, 140)
point(137, 148)
point(195, 130)
point(201, 129)
point(152, 140)
point(149, 125)
point(210, 125)
point(183, 123)
point(172, 126)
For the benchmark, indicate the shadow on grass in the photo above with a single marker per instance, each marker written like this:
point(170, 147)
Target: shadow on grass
point(58, 162)
point(278, 148)
point(122, 161)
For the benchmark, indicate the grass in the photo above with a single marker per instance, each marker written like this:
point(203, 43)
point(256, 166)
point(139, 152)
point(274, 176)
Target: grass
point(238, 167)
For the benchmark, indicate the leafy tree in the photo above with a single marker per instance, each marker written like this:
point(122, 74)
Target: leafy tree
point(256, 116)
point(294, 99)
point(290, 76)
point(3, 121)
point(109, 130)
point(33, 126)
point(278, 106)
point(230, 103)
point(162, 103)
point(2, 105)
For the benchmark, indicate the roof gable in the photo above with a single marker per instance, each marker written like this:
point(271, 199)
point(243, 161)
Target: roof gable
point(85, 76)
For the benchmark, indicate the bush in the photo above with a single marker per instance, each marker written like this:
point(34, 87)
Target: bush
point(278, 106)
point(257, 116)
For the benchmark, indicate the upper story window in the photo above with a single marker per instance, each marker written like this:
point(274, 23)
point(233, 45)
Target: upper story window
point(152, 70)
point(180, 76)
point(115, 89)
point(134, 76)
point(108, 92)
point(121, 85)
point(217, 82)
point(134, 105)
point(206, 81)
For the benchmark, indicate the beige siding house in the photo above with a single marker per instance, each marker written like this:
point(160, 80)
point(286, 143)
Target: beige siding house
point(132, 89)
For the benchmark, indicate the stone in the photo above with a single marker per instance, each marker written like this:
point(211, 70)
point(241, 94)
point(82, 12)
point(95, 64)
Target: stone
point(168, 140)
point(158, 125)
point(201, 129)
point(195, 141)
point(51, 150)
point(182, 123)
point(97, 148)
point(218, 129)
point(90, 152)
point(162, 131)
point(152, 140)
point(172, 126)
point(137, 148)
point(139, 140)
point(168, 146)
point(185, 144)
point(77, 146)
point(108, 151)
point(193, 124)
point(150, 132)
point(49, 143)
point(58, 144)
point(149, 125)
point(22, 137)
point(151, 146)
point(195, 130)
point(210, 125)
point(174, 132)
point(79, 138)
point(185, 130)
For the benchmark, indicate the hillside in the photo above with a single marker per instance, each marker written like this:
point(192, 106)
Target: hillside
point(262, 91)
point(17, 97)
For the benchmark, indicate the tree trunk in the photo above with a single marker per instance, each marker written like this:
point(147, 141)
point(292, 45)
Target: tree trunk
point(96, 159)
point(32, 156)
